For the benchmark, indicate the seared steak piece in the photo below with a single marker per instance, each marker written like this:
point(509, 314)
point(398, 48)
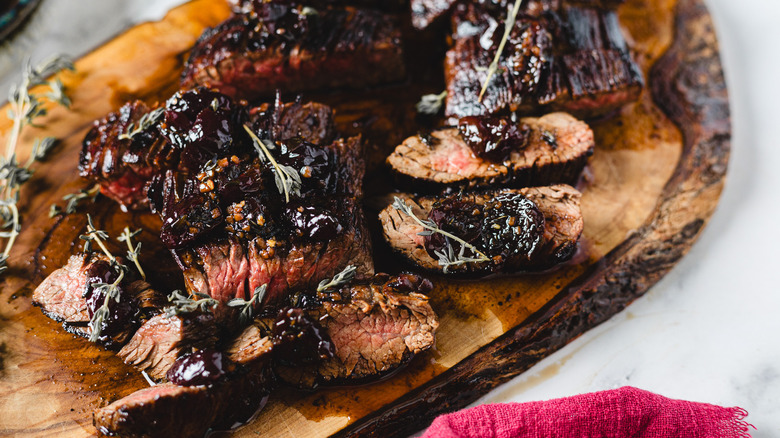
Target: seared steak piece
point(253, 345)
point(574, 59)
point(506, 230)
point(491, 151)
point(169, 410)
point(280, 45)
point(71, 295)
point(235, 226)
point(425, 12)
point(374, 327)
point(161, 340)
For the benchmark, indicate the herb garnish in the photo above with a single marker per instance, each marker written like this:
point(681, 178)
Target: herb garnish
point(508, 25)
point(110, 291)
point(74, 199)
point(287, 179)
point(147, 120)
point(247, 307)
point(339, 279)
point(25, 108)
point(449, 257)
point(132, 252)
point(431, 104)
point(185, 304)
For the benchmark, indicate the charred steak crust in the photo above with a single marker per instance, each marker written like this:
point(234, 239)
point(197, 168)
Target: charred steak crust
point(573, 58)
point(291, 48)
point(375, 327)
point(556, 151)
point(562, 227)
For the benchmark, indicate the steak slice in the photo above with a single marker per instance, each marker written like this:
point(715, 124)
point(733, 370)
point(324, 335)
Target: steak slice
point(169, 410)
point(572, 59)
point(61, 295)
point(555, 150)
point(162, 339)
point(289, 47)
point(253, 345)
point(514, 235)
point(240, 232)
point(374, 326)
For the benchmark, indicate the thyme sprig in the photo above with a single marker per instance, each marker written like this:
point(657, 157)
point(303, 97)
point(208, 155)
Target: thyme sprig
point(508, 25)
point(447, 258)
point(339, 279)
point(146, 121)
point(431, 104)
point(132, 252)
point(248, 307)
point(287, 179)
point(73, 200)
point(110, 291)
point(24, 109)
point(188, 304)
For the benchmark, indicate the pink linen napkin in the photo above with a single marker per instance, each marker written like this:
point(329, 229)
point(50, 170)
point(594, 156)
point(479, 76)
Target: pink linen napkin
point(620, 413)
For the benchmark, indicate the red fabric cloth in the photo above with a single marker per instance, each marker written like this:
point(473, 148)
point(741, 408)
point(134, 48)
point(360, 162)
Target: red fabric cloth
point(620, 413)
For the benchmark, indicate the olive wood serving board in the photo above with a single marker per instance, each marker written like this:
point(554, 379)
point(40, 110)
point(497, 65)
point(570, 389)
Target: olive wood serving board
point(650, 188)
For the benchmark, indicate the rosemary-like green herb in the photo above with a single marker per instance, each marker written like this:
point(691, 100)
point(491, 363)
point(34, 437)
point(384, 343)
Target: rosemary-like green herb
point(248, 307)
point(132, 252)
point(110, 291)
point(73, 200)
point(188, 304)
point(431, 104)
point(25, 108)
point(287, 179)
point(508, 25)
point(339, 279)
point(146, 121)
point(447, 258)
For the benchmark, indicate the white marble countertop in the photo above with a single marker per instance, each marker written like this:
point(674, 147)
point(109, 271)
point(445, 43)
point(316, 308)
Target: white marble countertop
point(707, 331)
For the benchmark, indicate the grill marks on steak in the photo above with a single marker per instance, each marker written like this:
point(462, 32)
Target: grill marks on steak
point(556, 150)
point(536, 248)
point(286, 46)
point(375, 327)
point(572, 58)
point(162, 339)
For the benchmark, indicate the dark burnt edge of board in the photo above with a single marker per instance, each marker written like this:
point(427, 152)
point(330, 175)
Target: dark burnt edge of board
point(688, 85)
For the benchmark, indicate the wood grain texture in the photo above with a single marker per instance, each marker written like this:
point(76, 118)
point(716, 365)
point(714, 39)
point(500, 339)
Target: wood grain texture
point(648, 192)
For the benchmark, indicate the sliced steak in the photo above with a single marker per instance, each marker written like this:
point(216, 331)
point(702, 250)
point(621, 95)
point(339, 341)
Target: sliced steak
point(70, 295)
point(169, 410)
point(550, 149)
point(573, 59)
point(296, 48)
point(375, 327)
point(253, 345)
point(233, 231)
point(515, 230)
point(161, 340)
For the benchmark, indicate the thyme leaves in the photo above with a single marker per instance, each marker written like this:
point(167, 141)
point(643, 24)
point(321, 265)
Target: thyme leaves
point(339, 279)
point(188, 304)
point(73, 200)
point(132, 252)
point(248, 306)
point(287, 179)
point(146, 121)
point(430, 104)
point(447, 257)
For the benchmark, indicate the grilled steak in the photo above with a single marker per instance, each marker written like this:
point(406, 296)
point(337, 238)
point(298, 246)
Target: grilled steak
point(526, 229)
point(490, 151)
point(262, 239)
point(252, 345)
point(170, 410)
point(284, 46)
point(71, 295)
point(162, 339)
point(425, 12)
point(574, 59)
point(124, 155)
point(375, 327)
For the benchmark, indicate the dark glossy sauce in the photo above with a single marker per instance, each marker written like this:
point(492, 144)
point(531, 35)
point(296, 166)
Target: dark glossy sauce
point(493, 138)
point(204, 367)
point(122, 314)
point(298, 339)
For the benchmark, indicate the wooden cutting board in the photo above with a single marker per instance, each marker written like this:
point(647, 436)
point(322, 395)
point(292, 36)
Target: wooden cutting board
point(648, 192)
